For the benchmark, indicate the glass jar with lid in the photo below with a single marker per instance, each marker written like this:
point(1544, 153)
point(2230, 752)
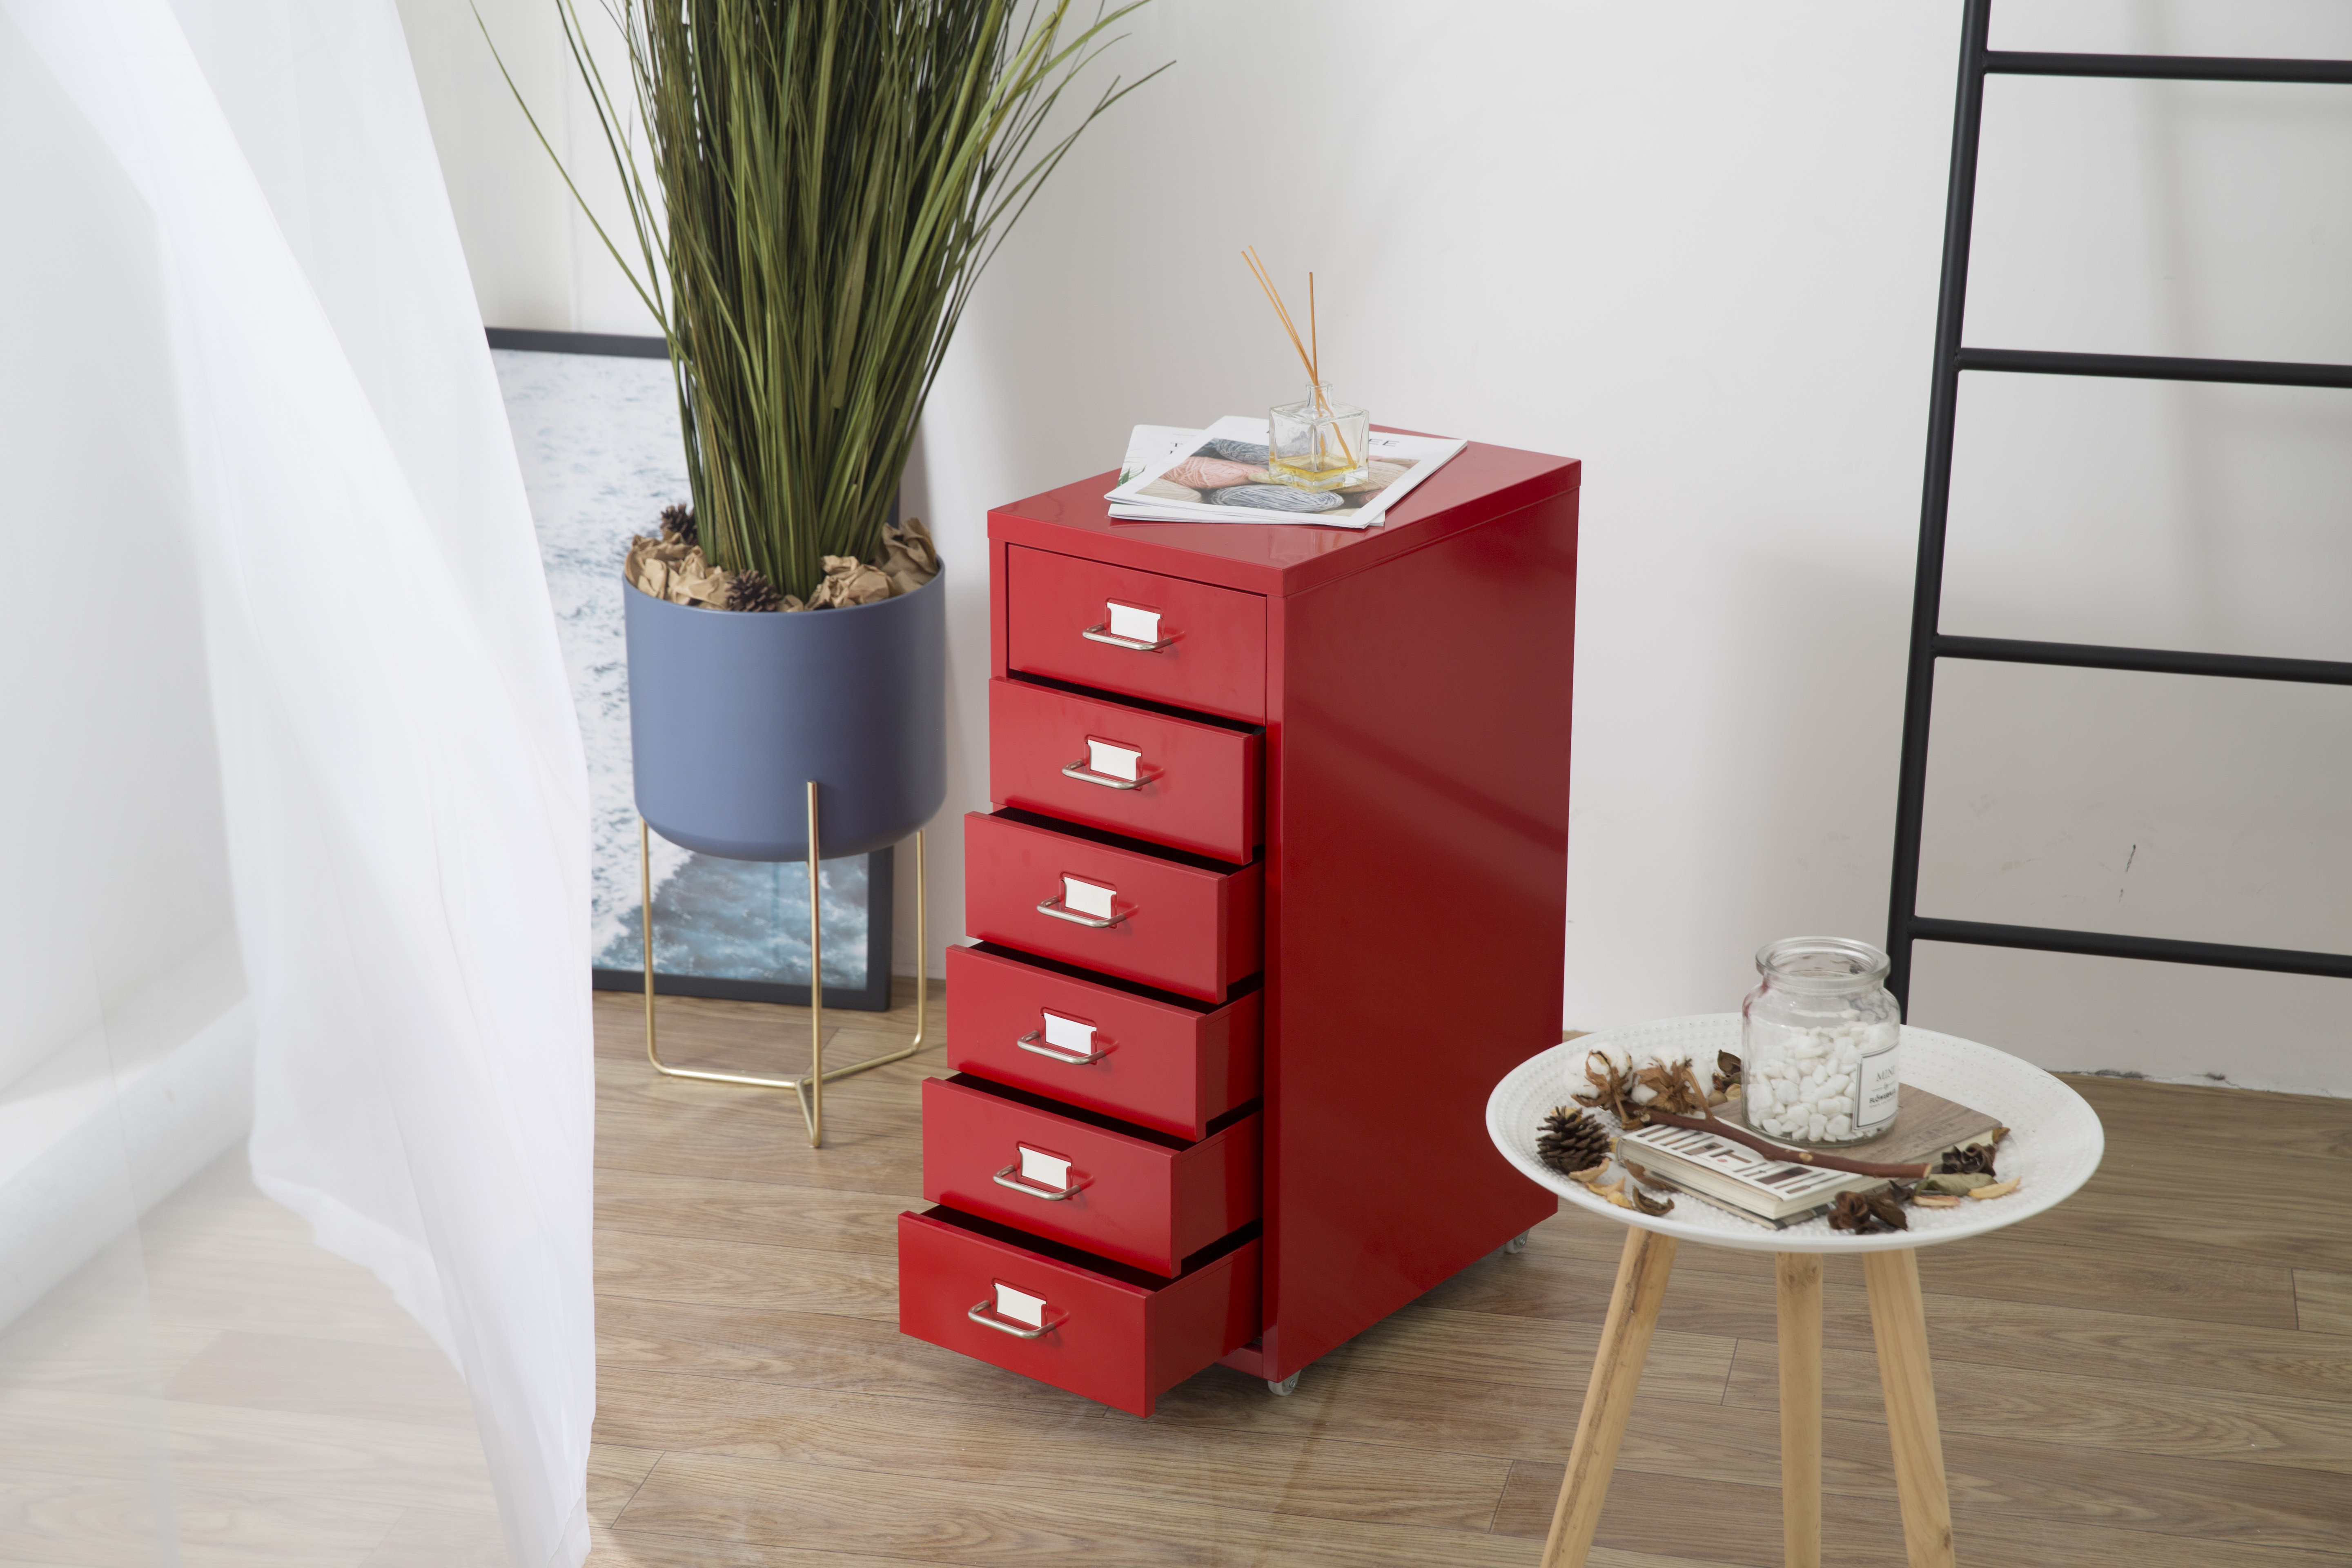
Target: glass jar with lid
point(1819, 1043)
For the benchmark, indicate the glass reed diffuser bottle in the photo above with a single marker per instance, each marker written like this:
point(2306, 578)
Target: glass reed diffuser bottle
point(1318, 443)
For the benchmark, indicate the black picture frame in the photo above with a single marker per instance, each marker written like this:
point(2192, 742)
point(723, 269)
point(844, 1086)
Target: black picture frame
point(875, 995)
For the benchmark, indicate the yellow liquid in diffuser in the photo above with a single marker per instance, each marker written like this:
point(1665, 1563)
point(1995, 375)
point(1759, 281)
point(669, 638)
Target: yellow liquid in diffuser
point(1317, 471)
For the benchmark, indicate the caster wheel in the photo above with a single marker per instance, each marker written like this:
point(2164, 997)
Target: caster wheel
point(1285, 1386)
point(1517, 1244)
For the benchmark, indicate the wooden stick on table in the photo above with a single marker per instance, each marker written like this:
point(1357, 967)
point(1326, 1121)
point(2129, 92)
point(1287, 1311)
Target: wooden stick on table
point(1640, 1285)
point(1799, 1277)
point(1898, 1319)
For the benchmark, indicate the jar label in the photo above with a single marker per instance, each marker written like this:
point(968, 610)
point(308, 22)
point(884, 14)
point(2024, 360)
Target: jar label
point(1881, 1087)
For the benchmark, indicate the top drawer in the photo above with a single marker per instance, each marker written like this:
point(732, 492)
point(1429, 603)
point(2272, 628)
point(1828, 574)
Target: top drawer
point(1136, 632)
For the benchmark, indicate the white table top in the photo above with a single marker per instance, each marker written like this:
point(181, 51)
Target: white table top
point(2053, 1145)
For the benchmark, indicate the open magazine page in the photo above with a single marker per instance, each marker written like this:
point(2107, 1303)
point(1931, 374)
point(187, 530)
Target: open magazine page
point(1223, 478)
point(1151, 448)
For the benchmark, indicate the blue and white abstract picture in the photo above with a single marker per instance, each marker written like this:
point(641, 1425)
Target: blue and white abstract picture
point(598, 440)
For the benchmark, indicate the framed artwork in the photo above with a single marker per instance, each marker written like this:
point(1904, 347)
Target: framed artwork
point(596, 428)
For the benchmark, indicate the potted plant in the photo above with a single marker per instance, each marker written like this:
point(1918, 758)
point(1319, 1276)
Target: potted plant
point(828, 178)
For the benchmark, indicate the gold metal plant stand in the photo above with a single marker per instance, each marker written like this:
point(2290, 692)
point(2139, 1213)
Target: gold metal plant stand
point(809, 1086)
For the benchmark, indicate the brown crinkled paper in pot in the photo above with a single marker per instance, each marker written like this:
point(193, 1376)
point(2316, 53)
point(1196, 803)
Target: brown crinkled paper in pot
point(909, 559)
point(848, 580)
point(674, 571)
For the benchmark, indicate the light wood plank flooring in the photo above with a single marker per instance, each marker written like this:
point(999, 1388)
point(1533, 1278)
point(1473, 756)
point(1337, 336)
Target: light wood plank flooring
point(2158, 1375)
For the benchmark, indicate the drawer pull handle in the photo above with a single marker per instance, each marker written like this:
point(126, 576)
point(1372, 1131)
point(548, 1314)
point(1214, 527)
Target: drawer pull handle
point(1103, 634)
point(1029, 1042)
point(1085, 774)
point(1009, 1177)
point(1055, 908)
point(984, 1314)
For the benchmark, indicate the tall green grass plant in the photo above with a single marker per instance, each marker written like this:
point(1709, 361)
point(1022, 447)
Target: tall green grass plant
point(829, 178)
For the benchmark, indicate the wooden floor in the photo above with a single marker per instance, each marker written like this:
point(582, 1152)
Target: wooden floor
point(2158, 1375)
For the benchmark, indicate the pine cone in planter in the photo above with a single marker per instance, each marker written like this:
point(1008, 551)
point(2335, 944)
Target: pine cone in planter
point(1571, 1142)
point(678, 525)
point(751, 590)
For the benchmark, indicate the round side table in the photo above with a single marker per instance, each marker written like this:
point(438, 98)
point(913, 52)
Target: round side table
point(2053, 1145)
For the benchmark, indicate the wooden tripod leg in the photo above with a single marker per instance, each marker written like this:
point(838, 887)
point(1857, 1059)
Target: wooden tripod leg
point(1899, 1321)
point(1641, 1273)
point(1800, 1275)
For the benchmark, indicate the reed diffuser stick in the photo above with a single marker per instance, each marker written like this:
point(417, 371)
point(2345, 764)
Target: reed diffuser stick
point(1314, 343)
point(1309, 356)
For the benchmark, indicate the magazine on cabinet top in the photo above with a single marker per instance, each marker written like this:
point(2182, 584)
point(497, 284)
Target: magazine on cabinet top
point(1223, 477)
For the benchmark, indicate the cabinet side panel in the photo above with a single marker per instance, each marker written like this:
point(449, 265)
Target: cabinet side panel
point(1418, 914)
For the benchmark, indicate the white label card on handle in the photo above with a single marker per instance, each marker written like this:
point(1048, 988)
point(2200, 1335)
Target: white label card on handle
point(1018, 1306)
point(1118, 761)
point(1045, 1170)
point(1133, 621)
point(1069, 1035)
point(1087, 898)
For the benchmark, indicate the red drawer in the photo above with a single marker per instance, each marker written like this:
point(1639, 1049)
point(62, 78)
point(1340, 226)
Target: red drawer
point(1101, 1330)
point(1173, 781)
point(1171, 1065)
point(1206, 649)
point(1180, 922)
point(1146, 1198)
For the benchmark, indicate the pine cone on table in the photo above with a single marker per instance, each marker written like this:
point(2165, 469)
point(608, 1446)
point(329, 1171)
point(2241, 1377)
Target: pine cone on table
point(752, 591)
point(1571, 1142)
point(678, 525)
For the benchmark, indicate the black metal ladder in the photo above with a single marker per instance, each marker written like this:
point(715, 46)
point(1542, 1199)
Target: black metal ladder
point(1905, 924)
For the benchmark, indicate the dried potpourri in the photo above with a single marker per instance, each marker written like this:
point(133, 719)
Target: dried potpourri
point(1612, 1088)
point(1727, 1074)
point(1625, 1192)
point(1974, 1159)
point(1571, 1142)
point(1866, 1214)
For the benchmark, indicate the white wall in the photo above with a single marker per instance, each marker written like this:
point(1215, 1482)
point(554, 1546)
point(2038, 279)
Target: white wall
point(1695, 245)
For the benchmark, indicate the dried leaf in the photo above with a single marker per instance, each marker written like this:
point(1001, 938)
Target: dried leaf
point(1935, 1201)
point(1953, 1182)
point(1998, 1190)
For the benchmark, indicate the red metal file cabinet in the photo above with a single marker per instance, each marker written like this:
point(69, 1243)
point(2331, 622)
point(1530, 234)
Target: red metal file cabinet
point(1272, 894)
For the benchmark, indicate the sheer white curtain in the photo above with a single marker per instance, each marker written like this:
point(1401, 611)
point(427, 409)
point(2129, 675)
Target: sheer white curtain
point(322, 454)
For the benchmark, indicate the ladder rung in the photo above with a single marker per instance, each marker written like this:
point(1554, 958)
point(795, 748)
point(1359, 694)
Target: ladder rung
point(2165, 67)
point(2149, 661)
point(2160, 950)
point(2156, 367)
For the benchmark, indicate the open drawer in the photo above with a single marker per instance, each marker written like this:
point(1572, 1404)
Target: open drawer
point(1098, 1328)
point(1126, 1193)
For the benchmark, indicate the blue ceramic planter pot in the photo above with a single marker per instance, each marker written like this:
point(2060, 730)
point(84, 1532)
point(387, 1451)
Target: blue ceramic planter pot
point(730, 714)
